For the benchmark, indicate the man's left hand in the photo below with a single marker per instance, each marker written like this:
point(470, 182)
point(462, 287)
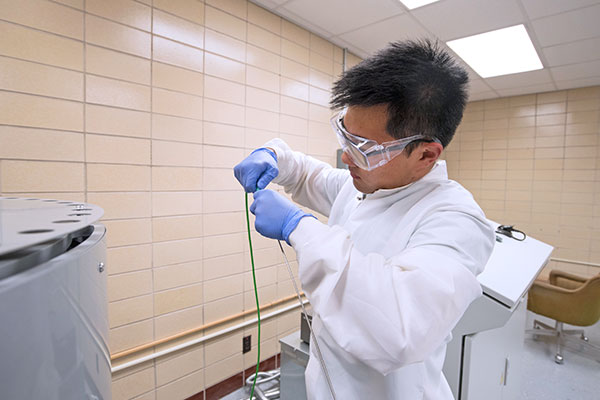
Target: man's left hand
point(276, 216)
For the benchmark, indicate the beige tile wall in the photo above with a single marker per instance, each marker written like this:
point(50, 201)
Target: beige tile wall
point(144, 107)
point(533, 161)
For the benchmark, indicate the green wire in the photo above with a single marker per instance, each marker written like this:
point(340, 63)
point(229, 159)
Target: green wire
point(256, 295)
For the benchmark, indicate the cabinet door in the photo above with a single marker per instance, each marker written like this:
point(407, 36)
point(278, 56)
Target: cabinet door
point(515, 330)
point(492, 361)
point(484, 364)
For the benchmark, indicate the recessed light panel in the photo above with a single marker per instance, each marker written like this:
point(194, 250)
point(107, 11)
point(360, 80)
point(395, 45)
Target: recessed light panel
point(411, 4)
point(500, 52)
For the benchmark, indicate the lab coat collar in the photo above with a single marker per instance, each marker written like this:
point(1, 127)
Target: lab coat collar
point(437, 173)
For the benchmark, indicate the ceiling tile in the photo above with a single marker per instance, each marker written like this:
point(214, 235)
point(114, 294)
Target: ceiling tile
point(543, 8)
point(576, 71)
point(453, 19)
point(571, 53)
point(530, 78)
point(478, 86)
point(268, 4)
point(576, 83)
point(568, 27)
point(483, 96)
point(546, 87)
point(339, 16)
point(282, 11)
point(376, 36)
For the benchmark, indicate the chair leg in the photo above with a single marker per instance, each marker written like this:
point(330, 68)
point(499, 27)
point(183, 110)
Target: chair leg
point(537, 325)
point(558, 358)
point(574, 332)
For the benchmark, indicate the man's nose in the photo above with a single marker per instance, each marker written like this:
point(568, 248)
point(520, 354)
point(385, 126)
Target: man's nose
point(346, 159)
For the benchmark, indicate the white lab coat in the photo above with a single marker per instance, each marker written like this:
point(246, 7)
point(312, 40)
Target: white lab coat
point(388, 277)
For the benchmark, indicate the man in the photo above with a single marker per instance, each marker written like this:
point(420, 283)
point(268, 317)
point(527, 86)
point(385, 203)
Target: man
point(395, 268)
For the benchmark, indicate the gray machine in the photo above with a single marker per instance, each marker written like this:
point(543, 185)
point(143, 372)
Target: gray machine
point(53, 304)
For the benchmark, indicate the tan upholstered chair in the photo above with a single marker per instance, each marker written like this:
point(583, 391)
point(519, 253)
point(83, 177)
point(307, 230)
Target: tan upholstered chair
point(568, 299)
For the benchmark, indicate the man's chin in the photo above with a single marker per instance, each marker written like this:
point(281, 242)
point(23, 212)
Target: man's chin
point(360, 185)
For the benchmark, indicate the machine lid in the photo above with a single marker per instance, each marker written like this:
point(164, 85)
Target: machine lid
point(512, 268)
point(29, 222)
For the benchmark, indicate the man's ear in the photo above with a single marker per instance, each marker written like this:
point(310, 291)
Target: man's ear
point(430, 152)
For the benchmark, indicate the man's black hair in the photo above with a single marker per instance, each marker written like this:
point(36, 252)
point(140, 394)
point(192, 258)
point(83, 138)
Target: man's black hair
point(425, 90)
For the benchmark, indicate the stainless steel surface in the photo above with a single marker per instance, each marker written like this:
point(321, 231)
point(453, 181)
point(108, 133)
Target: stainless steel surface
point(53, 309)
point(294, 358)
point(27, 222)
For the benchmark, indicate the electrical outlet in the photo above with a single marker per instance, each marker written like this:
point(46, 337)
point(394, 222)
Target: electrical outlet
point(246, 344)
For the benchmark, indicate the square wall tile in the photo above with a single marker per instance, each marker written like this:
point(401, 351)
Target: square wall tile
point(128, 232)
point(40, 144)
point(170, 52)
point(177, 299)
point(114, 64)
point(224, 90)
point(40, 112)
point(225, 68)
point(34, 45)
point(223, 22)
point(118, 150)
point(176, 154)
point(115, 93)
point(134, 384)
point(178, 29)
point(178, 79)
point(115, 178)
point(178, 321)
point(237, 8)
point(177, 104)
point(128, 258)
point(37, 176)
point(176, 179)
point(174, 128)
point(176, 203)
point(175, 228)
point(175, 275)
point(224, 45)
point(116, 121)
point(129, 310)
point(173, 367)
point(190, 10)
point(33, 78)
point(112, 35)
point(126, 12)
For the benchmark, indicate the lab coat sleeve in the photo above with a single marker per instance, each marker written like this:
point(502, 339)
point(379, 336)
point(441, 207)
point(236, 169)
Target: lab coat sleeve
point(392, 312)
point(311, 182)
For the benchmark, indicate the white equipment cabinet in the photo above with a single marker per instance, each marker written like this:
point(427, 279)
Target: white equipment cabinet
point(483, 358)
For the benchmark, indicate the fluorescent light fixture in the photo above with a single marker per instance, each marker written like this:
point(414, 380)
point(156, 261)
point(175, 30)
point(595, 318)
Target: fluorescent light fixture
point(500, 52)
point(412, 4)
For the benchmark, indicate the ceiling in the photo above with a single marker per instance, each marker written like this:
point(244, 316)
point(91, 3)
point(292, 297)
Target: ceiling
point(565, 33)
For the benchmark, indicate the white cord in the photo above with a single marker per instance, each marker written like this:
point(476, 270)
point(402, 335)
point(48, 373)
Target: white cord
point(312, 335)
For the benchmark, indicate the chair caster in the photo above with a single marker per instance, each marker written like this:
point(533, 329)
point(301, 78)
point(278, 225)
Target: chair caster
point(558, 359)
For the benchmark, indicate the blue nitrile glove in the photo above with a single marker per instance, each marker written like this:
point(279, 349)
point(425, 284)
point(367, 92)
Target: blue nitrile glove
point(257, 170)
point(276, 216)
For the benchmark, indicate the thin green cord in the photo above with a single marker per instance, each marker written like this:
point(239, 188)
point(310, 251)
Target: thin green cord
point(256, 295)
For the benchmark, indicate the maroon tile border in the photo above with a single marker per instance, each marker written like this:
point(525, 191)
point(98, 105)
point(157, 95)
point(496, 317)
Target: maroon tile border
point(235, 382)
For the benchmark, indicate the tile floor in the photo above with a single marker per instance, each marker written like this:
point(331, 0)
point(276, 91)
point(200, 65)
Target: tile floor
point(577, 379)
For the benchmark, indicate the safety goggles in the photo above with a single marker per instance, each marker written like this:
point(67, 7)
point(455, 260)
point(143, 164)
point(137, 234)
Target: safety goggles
point(367, 154)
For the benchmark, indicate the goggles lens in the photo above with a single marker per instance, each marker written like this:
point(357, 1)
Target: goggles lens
point(367, 154)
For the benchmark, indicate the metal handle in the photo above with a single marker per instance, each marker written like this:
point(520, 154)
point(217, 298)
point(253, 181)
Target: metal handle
point(506, 363)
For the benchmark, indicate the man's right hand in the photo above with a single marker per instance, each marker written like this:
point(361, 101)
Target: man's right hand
point(257, 170)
